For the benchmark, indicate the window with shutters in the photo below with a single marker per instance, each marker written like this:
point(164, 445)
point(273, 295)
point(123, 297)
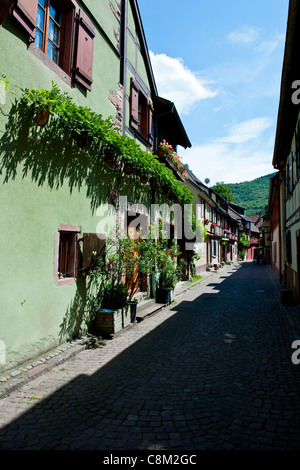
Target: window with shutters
point(67, 254)
point(141, 113)
point(62, 33)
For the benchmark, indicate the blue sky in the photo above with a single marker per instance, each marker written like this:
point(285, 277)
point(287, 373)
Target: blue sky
point(221, 63)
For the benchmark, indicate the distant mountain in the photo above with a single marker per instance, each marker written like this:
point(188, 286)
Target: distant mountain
point(252, 195)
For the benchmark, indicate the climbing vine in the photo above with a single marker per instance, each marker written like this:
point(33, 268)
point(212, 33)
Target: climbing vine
point(103, 134)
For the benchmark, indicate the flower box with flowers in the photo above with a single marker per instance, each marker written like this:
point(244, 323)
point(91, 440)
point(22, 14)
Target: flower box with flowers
point(166, 151)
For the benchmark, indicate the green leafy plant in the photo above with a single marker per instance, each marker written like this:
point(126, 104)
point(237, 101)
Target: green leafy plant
point(169, 265)
point(244, 239)
point(4, 82)
point(103, 134)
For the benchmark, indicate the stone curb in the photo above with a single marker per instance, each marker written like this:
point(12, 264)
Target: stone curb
point(19, 377)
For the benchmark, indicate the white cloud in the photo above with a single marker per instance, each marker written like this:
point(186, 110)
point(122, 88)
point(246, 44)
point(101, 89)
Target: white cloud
point(223, 163)
point(229, 159)
point(247, 130)
point(244, 36)
point(268, 47)
point(178, 83)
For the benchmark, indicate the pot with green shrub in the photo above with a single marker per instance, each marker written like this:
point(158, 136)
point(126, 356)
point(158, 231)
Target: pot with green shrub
point(170, 272)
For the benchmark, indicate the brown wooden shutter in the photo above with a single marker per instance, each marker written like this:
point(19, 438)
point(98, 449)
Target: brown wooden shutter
point(134, 105)
point(85, 49)
point(150, 123)
point(67, 51)
point(93, 247)
point(25, 12)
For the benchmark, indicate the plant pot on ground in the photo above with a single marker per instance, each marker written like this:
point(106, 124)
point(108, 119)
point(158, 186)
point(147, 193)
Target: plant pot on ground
point(109, 318)
point(170, 268)
point(133, 310)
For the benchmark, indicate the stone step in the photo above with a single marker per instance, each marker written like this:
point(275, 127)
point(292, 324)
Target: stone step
point(143, 304)
point(153, 307)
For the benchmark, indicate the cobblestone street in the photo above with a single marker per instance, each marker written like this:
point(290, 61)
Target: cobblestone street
point(212, 371)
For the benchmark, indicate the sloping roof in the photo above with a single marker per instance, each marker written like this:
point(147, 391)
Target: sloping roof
point(253, 228)
point(166, 113)
point(257, 219)
point(288, 111)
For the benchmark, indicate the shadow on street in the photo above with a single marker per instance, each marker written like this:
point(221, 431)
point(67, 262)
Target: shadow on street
point(216, 375)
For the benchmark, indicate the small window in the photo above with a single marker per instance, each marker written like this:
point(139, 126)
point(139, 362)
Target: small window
point(68, 255)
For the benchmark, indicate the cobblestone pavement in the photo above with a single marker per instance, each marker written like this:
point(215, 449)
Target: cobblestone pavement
point(213, 371)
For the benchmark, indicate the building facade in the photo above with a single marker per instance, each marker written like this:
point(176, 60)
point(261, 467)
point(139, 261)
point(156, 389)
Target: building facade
point(284, 202)
point(63, 191)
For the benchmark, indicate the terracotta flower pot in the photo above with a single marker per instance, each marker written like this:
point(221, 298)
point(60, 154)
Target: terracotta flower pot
point(42, 116)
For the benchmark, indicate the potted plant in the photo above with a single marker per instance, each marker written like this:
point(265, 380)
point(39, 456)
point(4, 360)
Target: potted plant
point(42, 116)
point(170, 272)
point(112, 315)
point(139, 262)
point(209, 267)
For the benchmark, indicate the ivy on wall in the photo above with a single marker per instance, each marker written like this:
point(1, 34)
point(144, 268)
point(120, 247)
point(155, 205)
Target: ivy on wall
point(103, 135)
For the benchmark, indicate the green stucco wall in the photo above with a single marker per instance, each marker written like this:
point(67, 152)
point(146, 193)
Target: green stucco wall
point(35, 311)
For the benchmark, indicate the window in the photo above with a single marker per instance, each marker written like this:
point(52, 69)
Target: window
point(141, 113)
point(48, 31)
point(289, 174)
point(288, 247)
point(68, 253)
point(59, 30)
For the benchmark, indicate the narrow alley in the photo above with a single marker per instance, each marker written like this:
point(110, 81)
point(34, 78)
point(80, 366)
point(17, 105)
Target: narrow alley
point(213, 371)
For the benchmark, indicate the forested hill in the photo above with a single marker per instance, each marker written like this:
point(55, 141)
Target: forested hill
point(252, 195)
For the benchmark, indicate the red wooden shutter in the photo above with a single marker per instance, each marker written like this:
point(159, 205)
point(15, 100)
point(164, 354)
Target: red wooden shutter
point(25, 12)
point(134, 105)
point(150, 123)
point(85, 49)
point(93, 247)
